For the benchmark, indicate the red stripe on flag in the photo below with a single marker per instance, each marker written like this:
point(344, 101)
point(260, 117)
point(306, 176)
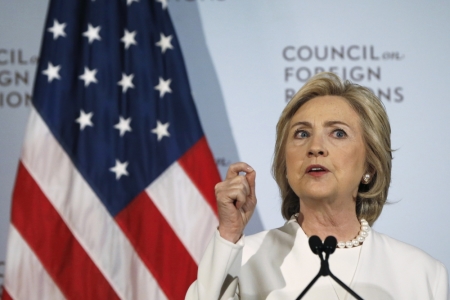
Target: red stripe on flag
point(158, 246)
point(51, 240)
point(5, 295)
point(200, 166)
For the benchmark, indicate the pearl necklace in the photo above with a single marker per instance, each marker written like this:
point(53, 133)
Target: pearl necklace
point(363, 234)
point(358, 240)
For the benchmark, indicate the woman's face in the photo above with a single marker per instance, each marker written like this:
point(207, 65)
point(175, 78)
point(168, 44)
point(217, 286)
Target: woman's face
point(325, 151)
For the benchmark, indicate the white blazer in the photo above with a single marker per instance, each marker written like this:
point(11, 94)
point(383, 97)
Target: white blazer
point(278, 264)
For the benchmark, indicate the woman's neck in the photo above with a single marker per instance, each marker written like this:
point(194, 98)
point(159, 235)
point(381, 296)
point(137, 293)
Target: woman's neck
point(324, 220)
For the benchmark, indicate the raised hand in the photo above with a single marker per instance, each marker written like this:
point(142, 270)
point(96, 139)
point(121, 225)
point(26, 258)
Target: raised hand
point(236, 201)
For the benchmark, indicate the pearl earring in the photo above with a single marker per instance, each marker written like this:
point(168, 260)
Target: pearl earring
point(366, 179)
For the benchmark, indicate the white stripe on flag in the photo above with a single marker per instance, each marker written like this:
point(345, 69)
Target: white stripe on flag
point(85, 215)
point(188, 214)
point(25, 277)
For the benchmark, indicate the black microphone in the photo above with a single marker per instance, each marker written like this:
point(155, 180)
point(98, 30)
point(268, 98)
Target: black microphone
point(328, 246)
point(315, 244)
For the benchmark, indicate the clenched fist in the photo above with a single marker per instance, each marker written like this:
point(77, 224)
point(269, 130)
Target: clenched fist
point(236, 201)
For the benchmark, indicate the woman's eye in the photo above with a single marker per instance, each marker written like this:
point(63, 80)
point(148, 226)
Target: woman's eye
point(301, 134)
point(339, 133)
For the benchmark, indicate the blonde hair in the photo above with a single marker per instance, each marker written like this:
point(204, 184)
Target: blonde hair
point(376, 135)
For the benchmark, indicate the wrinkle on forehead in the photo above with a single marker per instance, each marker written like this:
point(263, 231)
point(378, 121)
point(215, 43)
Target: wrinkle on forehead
point(328, 111)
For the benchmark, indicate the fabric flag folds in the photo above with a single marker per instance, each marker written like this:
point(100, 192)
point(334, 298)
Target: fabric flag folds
point(114, 196)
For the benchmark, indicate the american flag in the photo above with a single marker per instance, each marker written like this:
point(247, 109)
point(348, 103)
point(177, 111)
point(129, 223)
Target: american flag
point(114, 193)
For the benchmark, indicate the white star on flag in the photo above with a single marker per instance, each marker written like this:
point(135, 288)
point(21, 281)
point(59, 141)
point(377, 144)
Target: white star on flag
point(128, 38)
point(161, 130)
point(163, 87)
point(52, 72)
point(165, 42)
point(120, 169)
point(57, 29)
point(131, 1)
point(123, 125)
point(93, 33)
point(163, 2)
point(84, 119)
point(89, 76)
point(126, 82)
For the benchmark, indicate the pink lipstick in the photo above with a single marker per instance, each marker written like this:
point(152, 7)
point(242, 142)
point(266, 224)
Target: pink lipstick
point(316, 170)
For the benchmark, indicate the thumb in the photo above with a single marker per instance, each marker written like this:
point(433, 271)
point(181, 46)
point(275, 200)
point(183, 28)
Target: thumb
point(251, 179)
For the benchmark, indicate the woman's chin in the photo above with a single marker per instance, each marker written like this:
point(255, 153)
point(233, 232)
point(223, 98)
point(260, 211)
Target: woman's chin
point(316, 189)
point(317, 194)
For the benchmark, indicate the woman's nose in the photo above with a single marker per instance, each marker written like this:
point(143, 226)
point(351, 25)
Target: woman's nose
point(317, 148)
point(316, 152)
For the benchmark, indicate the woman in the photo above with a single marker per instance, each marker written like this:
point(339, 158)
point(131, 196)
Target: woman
point(333, 167)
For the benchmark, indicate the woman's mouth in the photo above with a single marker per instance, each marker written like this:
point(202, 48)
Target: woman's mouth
point(316, 170)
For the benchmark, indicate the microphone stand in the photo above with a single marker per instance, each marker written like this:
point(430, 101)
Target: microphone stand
point(325, 270)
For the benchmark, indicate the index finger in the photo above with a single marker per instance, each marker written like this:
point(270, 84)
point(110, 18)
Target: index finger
point(236, 168)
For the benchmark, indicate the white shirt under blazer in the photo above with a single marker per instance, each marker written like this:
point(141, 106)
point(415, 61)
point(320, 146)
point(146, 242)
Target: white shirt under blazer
point(278, 264)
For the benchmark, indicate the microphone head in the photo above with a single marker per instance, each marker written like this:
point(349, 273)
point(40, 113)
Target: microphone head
point(315, 244)
point(329, 244)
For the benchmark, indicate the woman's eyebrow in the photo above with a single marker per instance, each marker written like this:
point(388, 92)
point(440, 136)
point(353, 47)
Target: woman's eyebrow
point(304, 123)
point(326, 124)
point(332, 123)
